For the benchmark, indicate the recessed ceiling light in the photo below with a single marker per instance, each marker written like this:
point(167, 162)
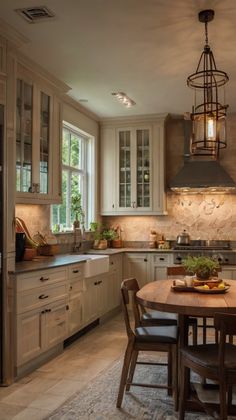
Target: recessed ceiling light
point(124, 99)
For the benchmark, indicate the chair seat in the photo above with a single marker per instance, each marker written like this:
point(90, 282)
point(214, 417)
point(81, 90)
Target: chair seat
point(206, 355)
point(157, 334)
point(160, 318)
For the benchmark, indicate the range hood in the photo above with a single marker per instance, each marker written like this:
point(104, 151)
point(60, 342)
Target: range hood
point(202, 176)
point(199, 175)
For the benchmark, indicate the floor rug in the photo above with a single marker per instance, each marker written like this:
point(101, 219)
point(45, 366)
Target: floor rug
point(98, 400)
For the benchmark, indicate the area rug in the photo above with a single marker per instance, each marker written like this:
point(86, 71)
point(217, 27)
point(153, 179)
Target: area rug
point(98, 400)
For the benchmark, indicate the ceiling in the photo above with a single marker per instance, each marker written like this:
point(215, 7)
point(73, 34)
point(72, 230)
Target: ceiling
point(143, 48)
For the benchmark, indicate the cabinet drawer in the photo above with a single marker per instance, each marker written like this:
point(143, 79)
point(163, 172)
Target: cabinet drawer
point(36, 298)
point(76, 271)
point(76, 286)
point(163, 259)
point(40, 278)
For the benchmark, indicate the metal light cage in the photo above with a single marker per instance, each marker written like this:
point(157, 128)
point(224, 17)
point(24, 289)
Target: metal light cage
point(208, 114)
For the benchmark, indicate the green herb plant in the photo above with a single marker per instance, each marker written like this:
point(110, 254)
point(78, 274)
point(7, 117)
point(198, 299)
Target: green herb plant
point(203, 267)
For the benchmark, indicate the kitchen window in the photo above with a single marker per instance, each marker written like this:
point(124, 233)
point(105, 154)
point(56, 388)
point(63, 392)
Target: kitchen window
point(77, 153)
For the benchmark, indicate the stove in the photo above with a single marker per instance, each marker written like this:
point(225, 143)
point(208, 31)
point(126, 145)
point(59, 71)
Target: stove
point(219, 250)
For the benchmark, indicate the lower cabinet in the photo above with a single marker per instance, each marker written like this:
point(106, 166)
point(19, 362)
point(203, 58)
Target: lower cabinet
point(137, 265)
point(39, 330)
point(159, 263)
point(228, 272)
point(75, 313)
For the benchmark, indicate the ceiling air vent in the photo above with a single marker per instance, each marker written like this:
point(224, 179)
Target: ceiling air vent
point(35, 14)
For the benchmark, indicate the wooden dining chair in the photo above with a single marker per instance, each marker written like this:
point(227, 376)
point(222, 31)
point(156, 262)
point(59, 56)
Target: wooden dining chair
point(146, 338)
point(214, 361)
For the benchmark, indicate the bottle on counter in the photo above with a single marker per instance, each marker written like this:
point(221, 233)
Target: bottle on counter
point(153, 239)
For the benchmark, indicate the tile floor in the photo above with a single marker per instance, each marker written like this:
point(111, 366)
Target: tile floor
point(41, 392)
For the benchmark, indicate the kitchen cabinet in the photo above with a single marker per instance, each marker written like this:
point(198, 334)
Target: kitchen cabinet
point(114, 279)
point(38, 132)
point(132, 156)
point(159, 264)
point(137, 265)
point(91, 299)
point(75, 298)
point(228, 272)
point(41, 312)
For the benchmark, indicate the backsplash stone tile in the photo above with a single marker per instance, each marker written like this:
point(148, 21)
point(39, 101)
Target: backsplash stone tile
point(203, 216)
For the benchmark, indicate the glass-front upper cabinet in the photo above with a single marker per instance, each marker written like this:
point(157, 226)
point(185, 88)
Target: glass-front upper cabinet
point(44, 141)
point(24, 123)
point(33, 142)
point(134, 169)
point(132, 166)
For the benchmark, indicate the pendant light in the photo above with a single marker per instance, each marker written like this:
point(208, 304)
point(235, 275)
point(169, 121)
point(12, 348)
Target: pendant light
point(209, 112)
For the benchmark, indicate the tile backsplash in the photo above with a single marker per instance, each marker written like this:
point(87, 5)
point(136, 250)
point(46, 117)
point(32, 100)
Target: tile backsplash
point(203, 216)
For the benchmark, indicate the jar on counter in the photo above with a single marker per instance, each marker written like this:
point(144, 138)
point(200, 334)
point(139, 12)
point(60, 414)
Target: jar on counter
point(153, 239)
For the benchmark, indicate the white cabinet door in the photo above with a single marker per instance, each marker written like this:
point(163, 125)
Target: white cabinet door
point(132, 157)
point(158, 265)
point(29, 337)
point(108, 171)
point(228, 273)
point(90, 304)
point(75, 313)
point(137, 266)
point(55, 324)
point(38, 128)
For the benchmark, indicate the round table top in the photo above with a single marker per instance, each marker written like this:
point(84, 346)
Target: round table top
point(158, 295)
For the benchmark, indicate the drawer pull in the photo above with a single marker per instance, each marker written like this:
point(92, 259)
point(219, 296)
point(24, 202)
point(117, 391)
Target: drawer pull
point(71, 287)
point(44, 278)
point(145, 259)
point(67, 307)
point(76, 271)
point(162, 259)
point(43, 296)
point(43, 312)
point(111, 263)
point(96, 283)
point(99, 282)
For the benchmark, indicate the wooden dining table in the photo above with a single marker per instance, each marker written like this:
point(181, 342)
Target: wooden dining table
point(160, 295)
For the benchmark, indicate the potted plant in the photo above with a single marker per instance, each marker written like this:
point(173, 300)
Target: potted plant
point(109, 234)
point(203, 267)
point(77, 209)
point(95, 228)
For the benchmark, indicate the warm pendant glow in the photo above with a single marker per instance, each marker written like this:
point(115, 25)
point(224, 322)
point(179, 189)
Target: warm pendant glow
point(209, 111)
point(211, 128)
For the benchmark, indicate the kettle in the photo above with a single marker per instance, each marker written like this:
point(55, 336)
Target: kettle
point(183, 238)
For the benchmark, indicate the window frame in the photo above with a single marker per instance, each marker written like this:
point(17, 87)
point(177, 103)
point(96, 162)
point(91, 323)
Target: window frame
point(87, 160)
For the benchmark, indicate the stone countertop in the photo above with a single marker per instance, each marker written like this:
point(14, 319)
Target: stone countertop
point(44, 263)
point(49, 262)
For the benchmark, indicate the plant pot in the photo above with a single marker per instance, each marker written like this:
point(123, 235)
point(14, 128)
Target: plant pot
point(116, 243)
point(102, 244)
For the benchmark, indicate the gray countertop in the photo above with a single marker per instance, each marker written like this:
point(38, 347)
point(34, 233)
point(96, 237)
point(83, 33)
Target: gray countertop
point(66, 259)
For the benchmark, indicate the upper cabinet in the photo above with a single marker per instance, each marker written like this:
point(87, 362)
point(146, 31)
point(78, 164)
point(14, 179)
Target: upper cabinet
point(132, 166)
point(38, 134)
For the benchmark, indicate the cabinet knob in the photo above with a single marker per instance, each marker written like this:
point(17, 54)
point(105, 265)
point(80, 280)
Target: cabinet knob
point(75, 271)
point(67, 307)
point(96, 283)
point(42, 312)
point(145, 259)
point(113, 206)
point(111, 263)
point(44, 278)
point(43, 296)
point(71, 287)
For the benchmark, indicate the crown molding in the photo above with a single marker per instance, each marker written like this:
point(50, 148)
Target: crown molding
point(69, 100)
point(14, 37)
point(134, 118)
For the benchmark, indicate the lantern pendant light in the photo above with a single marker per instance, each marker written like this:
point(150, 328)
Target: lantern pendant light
point(209, 112)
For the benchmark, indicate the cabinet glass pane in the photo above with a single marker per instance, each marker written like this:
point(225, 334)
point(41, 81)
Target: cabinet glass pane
point(124, 169)
point(24, 113)
point(143, 168)
point(44, 141)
